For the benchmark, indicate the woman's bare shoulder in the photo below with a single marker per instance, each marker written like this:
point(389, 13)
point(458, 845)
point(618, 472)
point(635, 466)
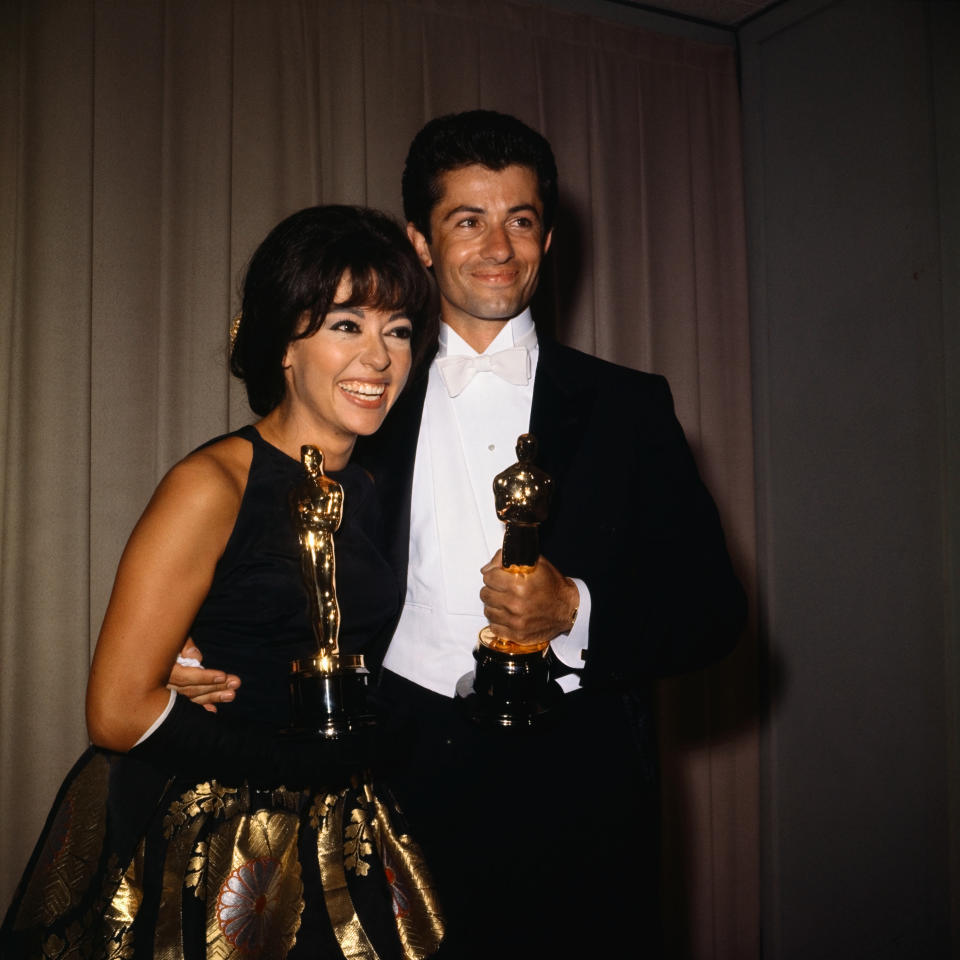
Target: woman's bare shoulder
point(210, 480)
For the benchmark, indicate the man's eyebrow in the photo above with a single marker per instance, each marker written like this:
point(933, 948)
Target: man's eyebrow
point(525, 207)
point(466, 208)
point(462, 208)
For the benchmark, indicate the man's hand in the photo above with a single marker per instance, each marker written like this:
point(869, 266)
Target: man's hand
point(528, 607)
point(206, 687)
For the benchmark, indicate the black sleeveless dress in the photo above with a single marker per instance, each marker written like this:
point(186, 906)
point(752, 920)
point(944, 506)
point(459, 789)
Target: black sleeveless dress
point(142, 858)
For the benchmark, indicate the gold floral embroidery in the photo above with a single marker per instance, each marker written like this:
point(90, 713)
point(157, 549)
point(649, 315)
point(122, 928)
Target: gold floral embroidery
point(320, 809)
point(210, 798)
point(357, 845)
point(196, 870)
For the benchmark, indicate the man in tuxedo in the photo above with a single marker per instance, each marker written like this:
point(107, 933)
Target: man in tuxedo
point(544, 842)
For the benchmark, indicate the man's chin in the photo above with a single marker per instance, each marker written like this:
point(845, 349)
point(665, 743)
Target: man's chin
point(498, 313)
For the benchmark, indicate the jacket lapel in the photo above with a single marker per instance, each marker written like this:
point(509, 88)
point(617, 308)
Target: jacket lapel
point(562, 402)
point(389, 456)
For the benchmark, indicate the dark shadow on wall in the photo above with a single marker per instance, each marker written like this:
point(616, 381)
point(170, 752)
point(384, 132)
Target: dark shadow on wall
point(561, 276)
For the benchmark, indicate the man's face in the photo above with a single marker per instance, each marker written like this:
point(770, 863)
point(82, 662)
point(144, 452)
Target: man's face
point(487, 244)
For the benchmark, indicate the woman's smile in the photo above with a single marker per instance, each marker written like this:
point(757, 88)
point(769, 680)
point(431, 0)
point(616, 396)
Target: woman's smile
point(366, 393)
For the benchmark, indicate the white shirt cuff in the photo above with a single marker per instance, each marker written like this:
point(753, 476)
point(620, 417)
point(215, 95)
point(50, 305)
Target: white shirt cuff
point(569, 648)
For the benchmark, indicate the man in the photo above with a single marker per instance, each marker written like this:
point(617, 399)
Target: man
point(544, 843)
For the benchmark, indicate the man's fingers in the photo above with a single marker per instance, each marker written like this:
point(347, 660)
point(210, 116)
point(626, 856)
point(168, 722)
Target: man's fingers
point(191, 652)
point(208, 696)
point(181, 676)
point(212, 697)
point(196, 690)
point(206, 687)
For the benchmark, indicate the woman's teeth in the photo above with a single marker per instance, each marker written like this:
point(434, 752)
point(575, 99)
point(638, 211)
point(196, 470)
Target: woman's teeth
point(364, 389)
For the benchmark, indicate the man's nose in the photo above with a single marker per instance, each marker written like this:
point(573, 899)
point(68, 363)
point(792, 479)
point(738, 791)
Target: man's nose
point(497, 245)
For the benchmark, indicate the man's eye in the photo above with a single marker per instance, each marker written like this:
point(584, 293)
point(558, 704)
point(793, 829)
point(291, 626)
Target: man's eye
point(524, 223)
point(468, 222)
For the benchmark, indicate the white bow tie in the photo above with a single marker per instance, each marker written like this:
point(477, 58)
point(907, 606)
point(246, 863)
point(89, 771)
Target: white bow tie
point(512, 365)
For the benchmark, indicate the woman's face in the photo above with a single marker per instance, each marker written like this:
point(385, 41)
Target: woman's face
point(347, 374)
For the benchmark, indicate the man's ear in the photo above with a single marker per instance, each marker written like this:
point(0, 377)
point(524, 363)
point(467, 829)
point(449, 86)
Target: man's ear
point(420, 244)
point(547, 240)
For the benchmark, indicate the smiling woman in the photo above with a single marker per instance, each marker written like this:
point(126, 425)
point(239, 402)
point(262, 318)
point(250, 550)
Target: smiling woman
point(196, 831)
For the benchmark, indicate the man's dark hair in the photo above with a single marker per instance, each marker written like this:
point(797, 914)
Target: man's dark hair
point(494, 140)
point(297, 270)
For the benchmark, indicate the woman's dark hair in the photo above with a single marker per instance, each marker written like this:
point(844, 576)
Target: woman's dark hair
point(297, 270)
point(494, 140)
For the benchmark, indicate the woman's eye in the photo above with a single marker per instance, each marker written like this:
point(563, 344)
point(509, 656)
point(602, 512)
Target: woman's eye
point(401, 333)
point(347, 326)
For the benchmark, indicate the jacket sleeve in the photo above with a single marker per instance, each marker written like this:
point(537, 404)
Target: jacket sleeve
point(196, 744)
point(668, 600)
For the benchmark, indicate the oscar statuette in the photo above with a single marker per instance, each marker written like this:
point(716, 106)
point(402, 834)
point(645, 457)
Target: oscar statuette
point(510, 686)
point(328, 689)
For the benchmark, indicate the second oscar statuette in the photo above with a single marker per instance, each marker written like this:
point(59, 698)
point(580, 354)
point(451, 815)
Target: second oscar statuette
point(328, 689)
point(511, 686)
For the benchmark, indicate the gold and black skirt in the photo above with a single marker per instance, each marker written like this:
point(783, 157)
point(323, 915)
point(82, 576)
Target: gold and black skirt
point(130, 865)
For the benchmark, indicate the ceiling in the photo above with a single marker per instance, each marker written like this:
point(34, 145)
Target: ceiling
point(724, 13)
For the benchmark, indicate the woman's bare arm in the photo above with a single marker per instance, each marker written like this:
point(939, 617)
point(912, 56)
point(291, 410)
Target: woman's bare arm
point(164, 574)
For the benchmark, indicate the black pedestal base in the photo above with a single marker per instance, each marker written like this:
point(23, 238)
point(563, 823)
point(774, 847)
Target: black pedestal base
point(508, 689)
point(330, 705)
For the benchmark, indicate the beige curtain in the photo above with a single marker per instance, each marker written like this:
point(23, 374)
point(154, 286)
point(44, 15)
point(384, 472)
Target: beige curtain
point(147, 145)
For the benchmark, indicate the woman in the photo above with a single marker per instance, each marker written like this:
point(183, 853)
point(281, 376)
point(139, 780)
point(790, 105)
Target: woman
point(184, 833)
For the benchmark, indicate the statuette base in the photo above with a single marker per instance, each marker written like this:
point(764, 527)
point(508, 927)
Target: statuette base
point(510, 688)
point(328, 697)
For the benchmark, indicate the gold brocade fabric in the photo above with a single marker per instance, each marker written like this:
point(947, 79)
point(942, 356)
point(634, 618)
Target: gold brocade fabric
point(415, 906)
point(223, 873)
point(254, 894)
point(68, 858)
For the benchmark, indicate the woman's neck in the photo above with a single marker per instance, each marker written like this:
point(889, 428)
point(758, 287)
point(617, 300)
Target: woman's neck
point(288, 432)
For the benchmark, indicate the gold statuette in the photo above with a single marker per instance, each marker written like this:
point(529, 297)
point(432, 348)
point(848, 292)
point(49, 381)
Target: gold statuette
point(319, 510)
point(327, 689)
point(510, 686)
point(522, 497)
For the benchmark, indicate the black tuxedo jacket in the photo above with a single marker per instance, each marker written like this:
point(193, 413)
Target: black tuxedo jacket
point(629, 515)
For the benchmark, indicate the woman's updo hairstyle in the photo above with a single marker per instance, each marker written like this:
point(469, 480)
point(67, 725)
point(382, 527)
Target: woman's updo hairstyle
point(296, 271)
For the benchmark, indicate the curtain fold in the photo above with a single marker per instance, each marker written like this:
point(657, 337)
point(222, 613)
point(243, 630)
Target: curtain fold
point(146, 146)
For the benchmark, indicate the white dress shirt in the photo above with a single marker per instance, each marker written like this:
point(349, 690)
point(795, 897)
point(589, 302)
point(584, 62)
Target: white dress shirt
point(464, 442)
